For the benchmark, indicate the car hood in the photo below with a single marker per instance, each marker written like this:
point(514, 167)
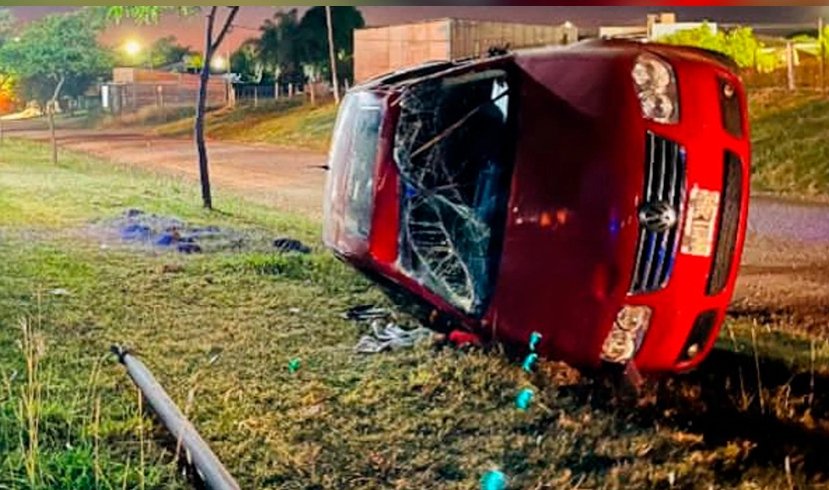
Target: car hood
point(568, 249)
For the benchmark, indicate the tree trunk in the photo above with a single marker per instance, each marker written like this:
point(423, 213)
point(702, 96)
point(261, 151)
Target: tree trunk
point(201, 106)
point(210, 47)
point(50, 115)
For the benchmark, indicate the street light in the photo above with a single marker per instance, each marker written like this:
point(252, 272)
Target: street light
point(132, 47)
point(218, 63)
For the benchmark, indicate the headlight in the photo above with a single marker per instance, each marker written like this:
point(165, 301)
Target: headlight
point(627, 334)
point(655, 85)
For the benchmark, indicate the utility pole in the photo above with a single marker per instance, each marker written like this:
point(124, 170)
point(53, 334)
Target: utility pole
point(334, 80)
point(790, 83)
point(821, 39)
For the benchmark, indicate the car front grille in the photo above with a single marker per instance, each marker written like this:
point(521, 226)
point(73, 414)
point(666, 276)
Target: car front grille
point(729, 214)
point(664, 184)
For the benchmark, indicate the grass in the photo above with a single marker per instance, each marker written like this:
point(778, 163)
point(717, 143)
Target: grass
point(790, 136)
point(286, 122)
point(219, 330)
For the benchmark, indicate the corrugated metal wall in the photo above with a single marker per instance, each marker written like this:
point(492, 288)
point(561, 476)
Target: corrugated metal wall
point(474, 38)
point(379, 50)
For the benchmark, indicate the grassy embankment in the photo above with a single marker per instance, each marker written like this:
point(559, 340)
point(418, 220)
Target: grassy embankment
point(286, 123)
point(219, 329)
point(790, 134)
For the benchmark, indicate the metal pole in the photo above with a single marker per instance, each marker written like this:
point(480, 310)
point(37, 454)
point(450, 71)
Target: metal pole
point(821, 39)
point(207, 465)
point(334, 80)
point(790, 66)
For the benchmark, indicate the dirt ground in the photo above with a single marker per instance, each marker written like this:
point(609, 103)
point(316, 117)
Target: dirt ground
point(784, 278)
point(289, 179)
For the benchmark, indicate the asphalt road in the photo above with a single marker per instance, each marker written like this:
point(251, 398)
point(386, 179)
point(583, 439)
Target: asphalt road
point(785, 269)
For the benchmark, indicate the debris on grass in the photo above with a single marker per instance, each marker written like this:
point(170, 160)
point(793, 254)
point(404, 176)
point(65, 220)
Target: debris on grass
point(462, 338)
point(494, 480)
point(524, 399)
point(159, 232)
point(389, 337)
point(285, 244)
point(529, 362)
point(366, 312)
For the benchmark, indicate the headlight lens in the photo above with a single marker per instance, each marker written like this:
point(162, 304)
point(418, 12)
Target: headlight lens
point(655, 85)
point(627, 334)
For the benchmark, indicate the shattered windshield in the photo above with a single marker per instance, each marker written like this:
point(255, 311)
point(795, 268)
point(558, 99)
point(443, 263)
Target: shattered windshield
point(453, 153)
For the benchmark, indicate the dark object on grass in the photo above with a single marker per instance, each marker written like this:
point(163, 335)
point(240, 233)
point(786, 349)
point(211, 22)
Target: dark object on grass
point(188, 248)
point(135, 232)
point(291, 245)
point(208, 467)
point(365, 312)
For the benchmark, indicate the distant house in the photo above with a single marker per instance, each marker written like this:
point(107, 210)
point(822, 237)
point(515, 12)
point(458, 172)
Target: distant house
point(656, 26)
point(379, 50)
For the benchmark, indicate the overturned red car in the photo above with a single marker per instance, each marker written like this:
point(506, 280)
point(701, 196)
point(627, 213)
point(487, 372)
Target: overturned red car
point(595, 193)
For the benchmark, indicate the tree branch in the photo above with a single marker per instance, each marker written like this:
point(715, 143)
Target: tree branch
point(228, 22)
point(58, 87)
point(208, 48)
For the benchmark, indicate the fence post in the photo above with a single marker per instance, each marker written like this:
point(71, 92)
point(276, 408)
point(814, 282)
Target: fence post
point(255, 96)
point(790, 66)
point(290, 90)
point(276, 90)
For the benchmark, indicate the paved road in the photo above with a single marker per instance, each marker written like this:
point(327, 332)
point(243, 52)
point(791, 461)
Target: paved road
point(785, 270)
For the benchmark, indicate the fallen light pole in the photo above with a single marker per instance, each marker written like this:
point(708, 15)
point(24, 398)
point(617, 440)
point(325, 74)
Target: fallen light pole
point(207, 465)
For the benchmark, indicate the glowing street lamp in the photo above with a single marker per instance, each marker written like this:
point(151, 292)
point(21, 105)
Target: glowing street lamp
point(218, 63)
point(132, 47)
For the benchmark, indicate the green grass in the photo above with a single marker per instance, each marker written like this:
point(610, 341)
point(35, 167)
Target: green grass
point(790, 136)
point(412, 419)
point(288, 123)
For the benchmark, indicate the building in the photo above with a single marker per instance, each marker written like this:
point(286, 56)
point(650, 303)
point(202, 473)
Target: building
point(379, 50)
point(656, 26)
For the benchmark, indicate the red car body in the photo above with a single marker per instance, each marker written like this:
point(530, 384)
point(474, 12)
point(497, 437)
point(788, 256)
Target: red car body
point(577, 237)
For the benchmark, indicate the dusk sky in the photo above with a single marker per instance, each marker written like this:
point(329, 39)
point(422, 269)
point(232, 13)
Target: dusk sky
point(189, 31)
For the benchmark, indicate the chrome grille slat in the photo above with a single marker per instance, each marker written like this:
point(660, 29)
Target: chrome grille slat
point(664, 181)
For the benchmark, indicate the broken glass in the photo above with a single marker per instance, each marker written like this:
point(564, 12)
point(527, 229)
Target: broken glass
point(451, 149)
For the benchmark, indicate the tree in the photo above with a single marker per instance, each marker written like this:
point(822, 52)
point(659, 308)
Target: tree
point(279, 46)
point(167, 51)
point(57, 54)
point(315, 44)
point(214, 33)
point(246, 64)
point(7, 24)
point(739, 43)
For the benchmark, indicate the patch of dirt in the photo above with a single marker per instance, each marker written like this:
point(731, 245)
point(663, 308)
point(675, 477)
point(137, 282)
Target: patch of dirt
point(292, 180)
point(784, 283)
